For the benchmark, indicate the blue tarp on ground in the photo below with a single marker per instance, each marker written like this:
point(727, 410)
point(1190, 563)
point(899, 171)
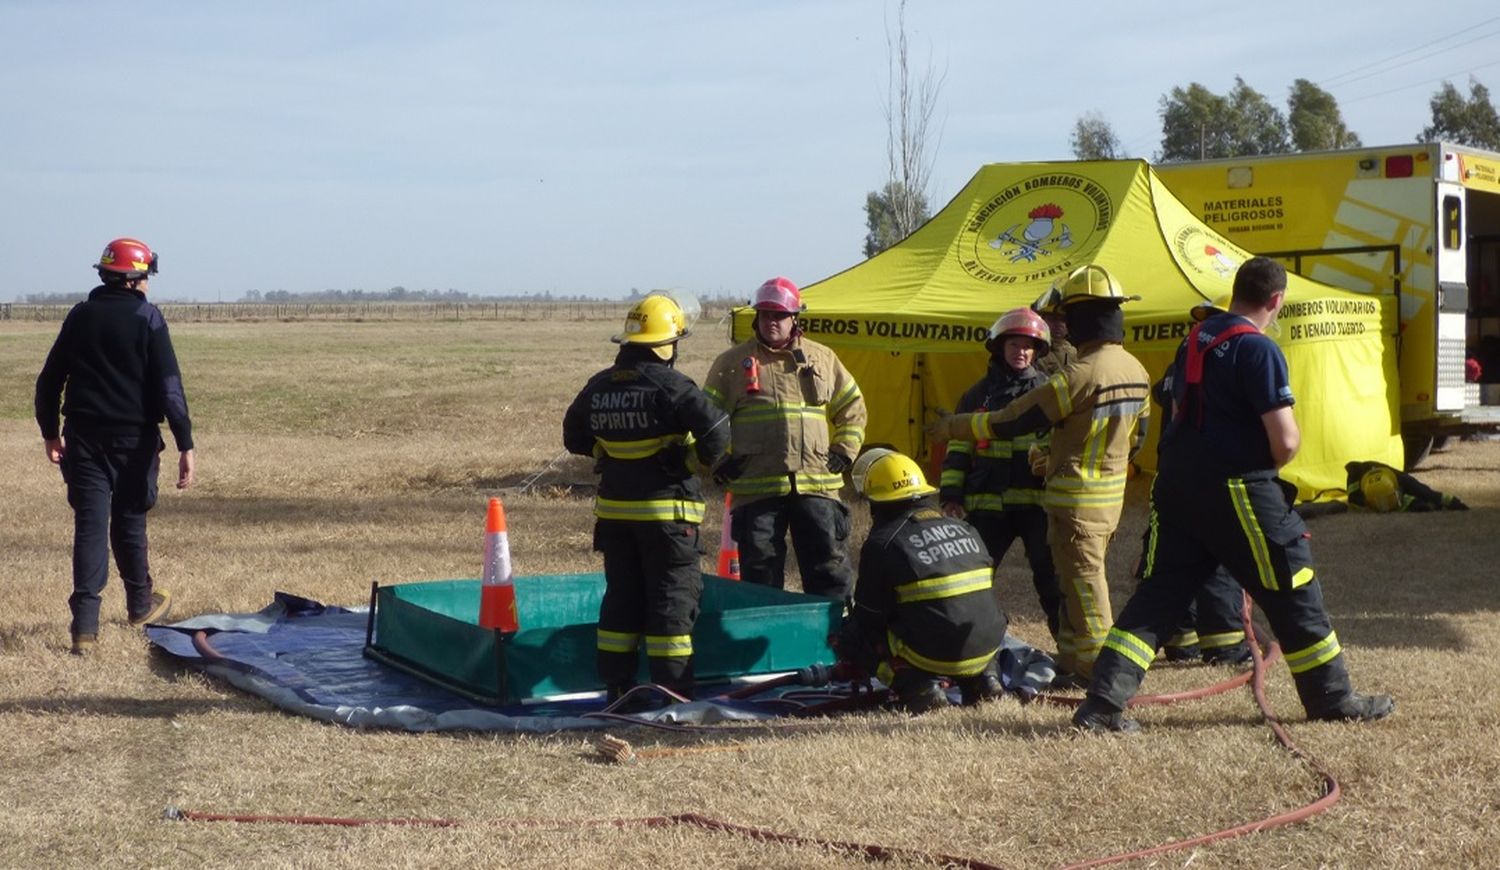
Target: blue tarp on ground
point(307, 658)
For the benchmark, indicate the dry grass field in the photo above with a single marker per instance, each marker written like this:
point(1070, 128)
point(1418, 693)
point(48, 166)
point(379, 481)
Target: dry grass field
point(331, 454)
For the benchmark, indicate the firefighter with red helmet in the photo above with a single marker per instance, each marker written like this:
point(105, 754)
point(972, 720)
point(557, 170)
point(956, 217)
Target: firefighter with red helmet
point(797, 423)
point(650, 429)
point(991, 483)
point(924, 609)
point(113, 376)
point(1217, 500)
point(1096, 410)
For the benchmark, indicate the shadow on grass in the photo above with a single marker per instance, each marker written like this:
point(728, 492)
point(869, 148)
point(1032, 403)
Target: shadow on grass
point(1399, 632)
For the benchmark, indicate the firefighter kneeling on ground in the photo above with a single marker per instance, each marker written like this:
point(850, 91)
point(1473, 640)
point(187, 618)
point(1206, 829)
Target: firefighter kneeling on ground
point(649, 427)
point(924, 606)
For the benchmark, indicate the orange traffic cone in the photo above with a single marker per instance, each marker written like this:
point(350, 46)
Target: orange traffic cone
point(729, 551)
point(497, 594)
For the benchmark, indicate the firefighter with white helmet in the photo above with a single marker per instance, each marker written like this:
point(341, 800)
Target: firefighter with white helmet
point(991, 483)
point(924, 607)
point(798, 420)
point(113, 376)
point(1217, 500)
point(1096, 410)
point(650, 429)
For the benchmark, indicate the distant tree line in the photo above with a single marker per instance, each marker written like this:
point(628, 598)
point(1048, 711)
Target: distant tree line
point(1199, 124)
point(401, 294)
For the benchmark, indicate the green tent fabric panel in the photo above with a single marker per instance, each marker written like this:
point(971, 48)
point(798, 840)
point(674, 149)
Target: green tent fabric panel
point(447, 649)
point(749, 629)
point(430, 630)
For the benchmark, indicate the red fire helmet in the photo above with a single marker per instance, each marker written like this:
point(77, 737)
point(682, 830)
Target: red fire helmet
point(778, 294)
point(127, 257)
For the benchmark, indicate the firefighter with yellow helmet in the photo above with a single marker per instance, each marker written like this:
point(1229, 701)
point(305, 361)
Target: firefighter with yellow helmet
point(924, 607)
point(798, 422)
point(1096, 410)
point(650, 429)
point(1378, 487)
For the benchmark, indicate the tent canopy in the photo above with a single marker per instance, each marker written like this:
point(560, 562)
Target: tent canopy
point(910, 323)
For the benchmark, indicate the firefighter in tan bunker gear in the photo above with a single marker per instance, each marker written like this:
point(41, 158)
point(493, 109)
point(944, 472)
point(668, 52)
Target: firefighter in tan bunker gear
point(797, 420)
point(1097, 410)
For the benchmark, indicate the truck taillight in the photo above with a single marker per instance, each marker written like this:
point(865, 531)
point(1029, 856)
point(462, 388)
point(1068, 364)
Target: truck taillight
point(1399, 166)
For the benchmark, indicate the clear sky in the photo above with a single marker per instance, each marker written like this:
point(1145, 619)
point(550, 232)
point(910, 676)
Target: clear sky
point(591, 147)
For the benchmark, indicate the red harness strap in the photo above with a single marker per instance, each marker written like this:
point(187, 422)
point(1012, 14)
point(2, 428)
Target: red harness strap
point(1193, 377)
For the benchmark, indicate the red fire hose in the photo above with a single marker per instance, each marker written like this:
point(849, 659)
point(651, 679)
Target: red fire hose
point(1329, 796)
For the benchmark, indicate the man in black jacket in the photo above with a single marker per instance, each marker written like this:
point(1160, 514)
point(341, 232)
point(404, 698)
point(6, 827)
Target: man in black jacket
point(924, 604)
point(991, 484)
point(114, 358)
point(650, 428)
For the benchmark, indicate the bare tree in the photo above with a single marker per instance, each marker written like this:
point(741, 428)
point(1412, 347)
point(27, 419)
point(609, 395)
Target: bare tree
point(1094, 139)
point(910, 106)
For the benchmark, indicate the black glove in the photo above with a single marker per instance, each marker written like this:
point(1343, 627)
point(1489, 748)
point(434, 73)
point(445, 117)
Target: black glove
point(838, 463)
point(729, 468)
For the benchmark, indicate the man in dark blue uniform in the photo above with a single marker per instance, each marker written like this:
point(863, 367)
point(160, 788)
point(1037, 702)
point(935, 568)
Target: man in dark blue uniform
point(1214, 630)
point(649, 427)
point(1217, 500)
point(115, 359)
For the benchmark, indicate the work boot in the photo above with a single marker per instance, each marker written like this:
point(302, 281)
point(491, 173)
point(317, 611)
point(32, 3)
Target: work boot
point(161, 605)
point(1065, 680)
point(1355, 707)
point(982, 687)
point(83, 644)
point(924, 697)
point(1233, 655)
point(1096, 717)
point(1187, 653)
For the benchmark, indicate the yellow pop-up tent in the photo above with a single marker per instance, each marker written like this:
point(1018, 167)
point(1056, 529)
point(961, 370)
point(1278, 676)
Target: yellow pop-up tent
point(911, 322)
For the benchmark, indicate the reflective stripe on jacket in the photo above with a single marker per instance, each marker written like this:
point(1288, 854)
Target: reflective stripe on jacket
point(994, 475)
point(807, 406)
point(650, 428)
point(925, 589)
point(1097, 407)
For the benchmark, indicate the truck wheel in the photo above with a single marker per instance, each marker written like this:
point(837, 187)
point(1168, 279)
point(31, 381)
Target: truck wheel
point(1443, 443)
point(1418, 447)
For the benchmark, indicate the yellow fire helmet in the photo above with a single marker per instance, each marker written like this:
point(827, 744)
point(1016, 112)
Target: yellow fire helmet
point(656, 322)
point(884, 475)
point(1080, 285)
point(1381, 490)
point(1205, 309)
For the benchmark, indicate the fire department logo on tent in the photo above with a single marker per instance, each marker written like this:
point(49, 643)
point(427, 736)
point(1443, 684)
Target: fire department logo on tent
point(1205, 253)
point(1035, 229)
